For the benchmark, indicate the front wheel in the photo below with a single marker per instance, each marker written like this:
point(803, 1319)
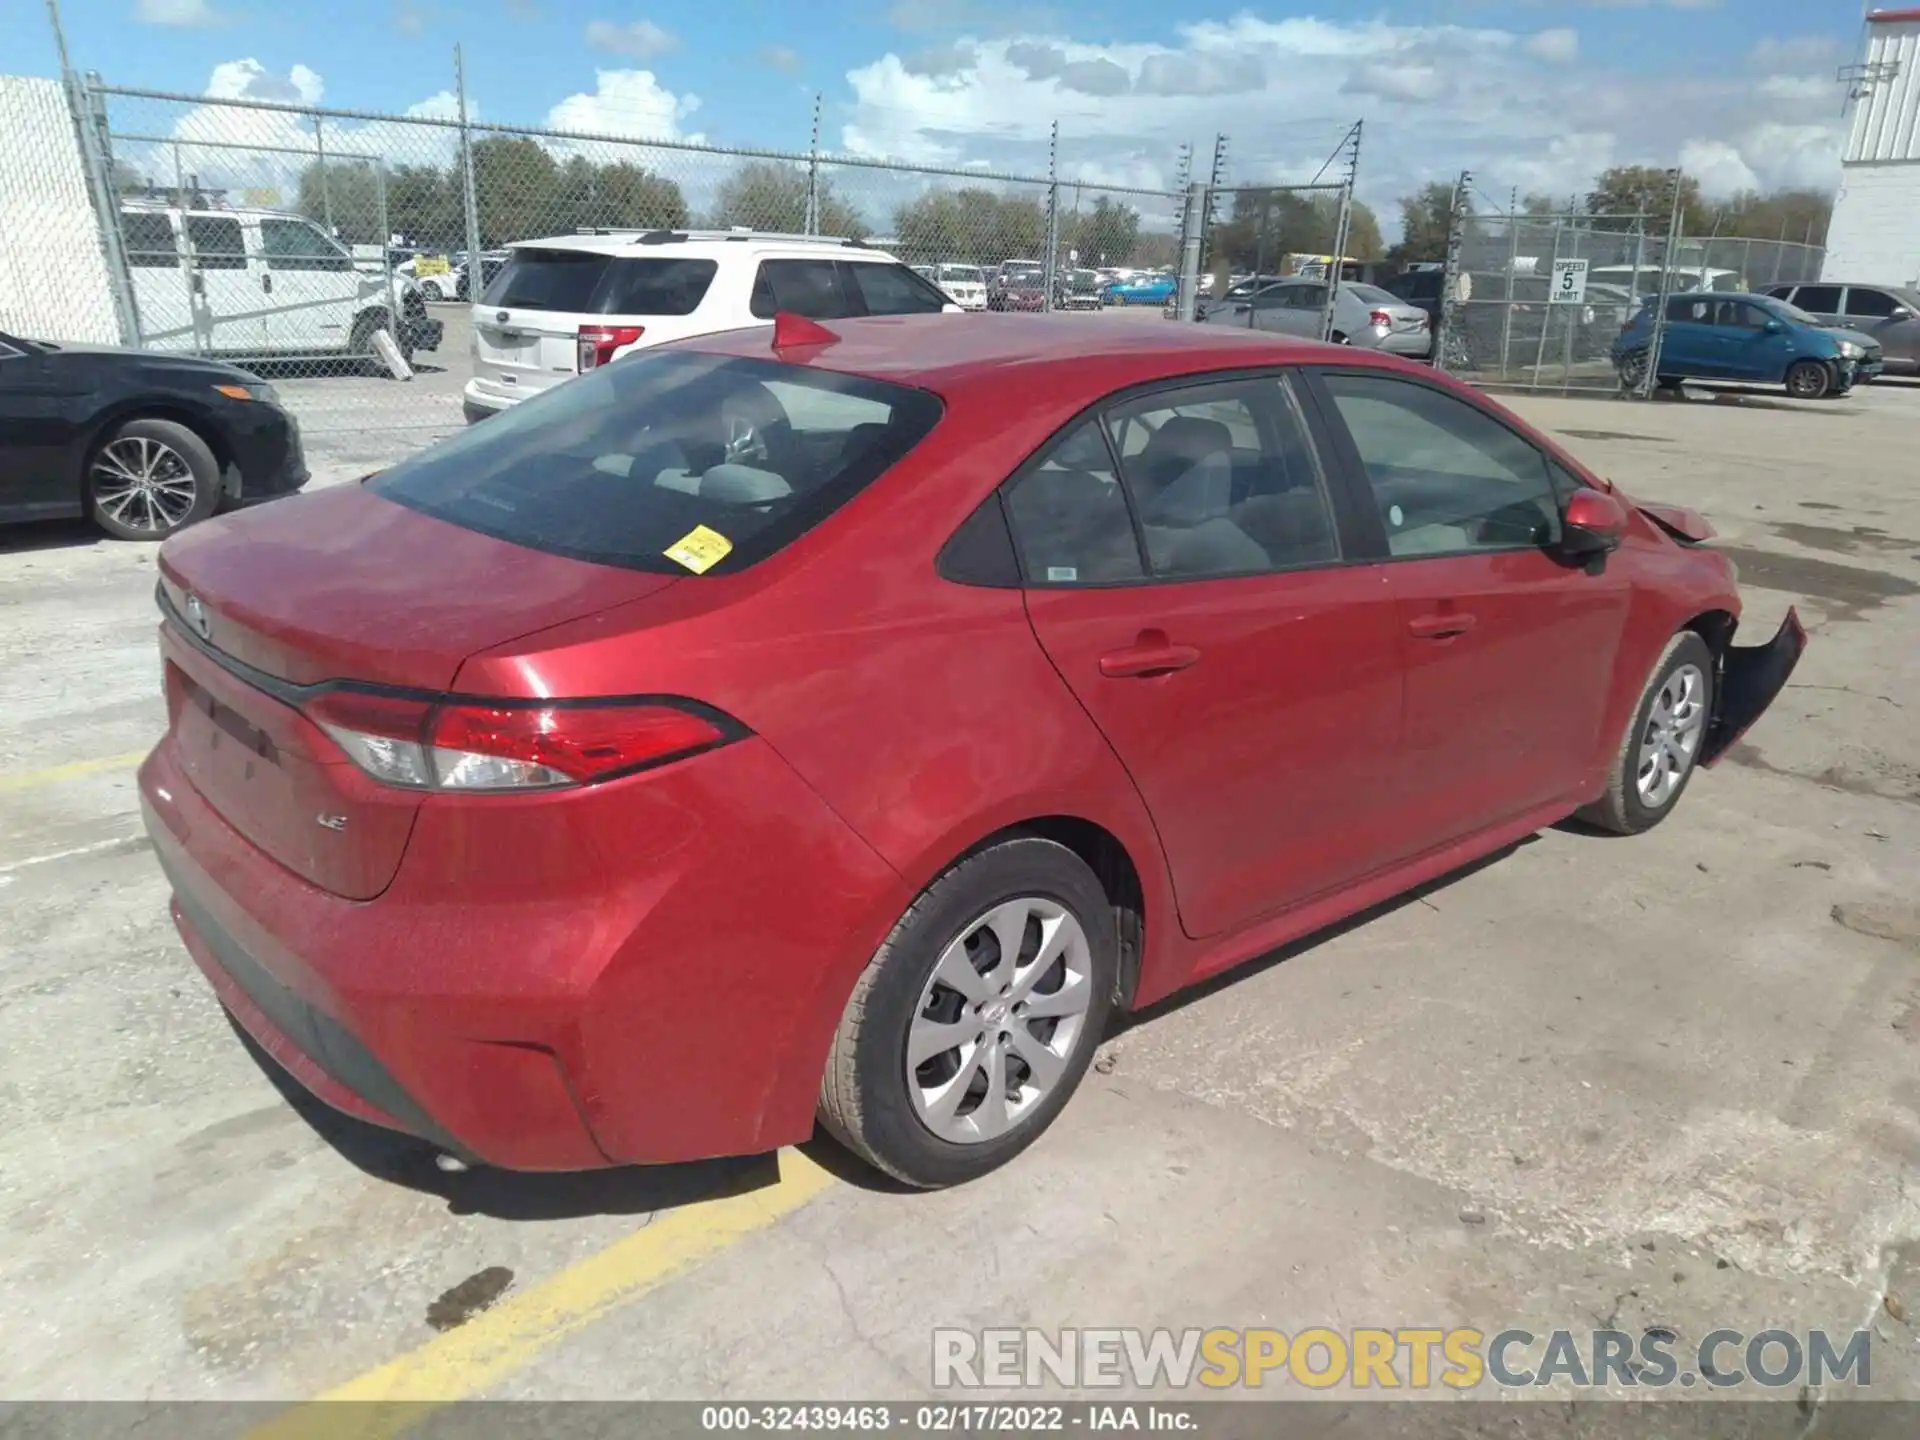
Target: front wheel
point(1663, 744)
point(976, 1018)
point(149, 478)
point(1808, 380)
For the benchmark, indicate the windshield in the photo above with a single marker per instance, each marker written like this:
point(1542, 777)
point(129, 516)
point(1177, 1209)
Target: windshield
point(673, 462)
point(962, 274)
point(1784, 311)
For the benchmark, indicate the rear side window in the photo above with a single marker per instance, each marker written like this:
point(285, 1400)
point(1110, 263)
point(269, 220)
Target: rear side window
point(654, 287)
point(895, 290)
point(1069, 515)
point(1820, 299)
point(721, 461)
point(548, 280)
point(811, 288)
point(148, 238)
point(217, 242)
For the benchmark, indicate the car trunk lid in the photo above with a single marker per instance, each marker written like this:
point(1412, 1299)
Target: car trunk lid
point(259, 613)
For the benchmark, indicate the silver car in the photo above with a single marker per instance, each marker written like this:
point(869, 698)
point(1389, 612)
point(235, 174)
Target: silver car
point(1887, 314)
point(1363, 315)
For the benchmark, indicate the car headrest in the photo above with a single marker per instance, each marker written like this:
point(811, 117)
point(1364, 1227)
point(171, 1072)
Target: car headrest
point(1180, 444)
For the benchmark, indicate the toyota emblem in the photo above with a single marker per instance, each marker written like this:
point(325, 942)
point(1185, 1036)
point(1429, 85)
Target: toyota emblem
point(197, 618)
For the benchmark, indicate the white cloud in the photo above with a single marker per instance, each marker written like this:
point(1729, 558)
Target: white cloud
point(250, 80)
point(180, 14)
point(1559, 45)
point(627, 104)
point(1436, 99)
point(641, 39)
point(783, 58)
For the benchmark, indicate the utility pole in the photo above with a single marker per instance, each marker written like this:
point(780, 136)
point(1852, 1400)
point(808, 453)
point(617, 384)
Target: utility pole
point(813, 171)
point(476, 270)
point(1336, 265)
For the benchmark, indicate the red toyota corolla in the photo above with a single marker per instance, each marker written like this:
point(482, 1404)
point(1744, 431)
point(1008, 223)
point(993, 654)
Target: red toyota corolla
point(799, 722)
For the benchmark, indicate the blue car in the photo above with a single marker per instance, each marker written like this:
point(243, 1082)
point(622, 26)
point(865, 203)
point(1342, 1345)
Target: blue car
point(1719, 335)
point(1143, 290)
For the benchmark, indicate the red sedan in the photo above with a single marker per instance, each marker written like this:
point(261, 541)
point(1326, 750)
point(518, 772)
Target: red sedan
point(846, 722)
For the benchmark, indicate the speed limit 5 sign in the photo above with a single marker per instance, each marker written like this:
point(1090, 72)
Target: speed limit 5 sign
point(1569, 282)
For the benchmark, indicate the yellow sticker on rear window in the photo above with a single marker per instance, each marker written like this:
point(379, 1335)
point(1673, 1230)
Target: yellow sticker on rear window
point(700, 549)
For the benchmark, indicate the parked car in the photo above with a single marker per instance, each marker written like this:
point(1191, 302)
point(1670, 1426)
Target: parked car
point(1712, 335)
point(1423, 288)
point(564, 306)
point(1082, 291)
point(1018, 285)
point(436, 275)
point(1240, 290)
point(965, 285)
point(1363, 315)
point(1144, 290)
point(491, 262)
point(143, 443)
point(260, 285)
point(1161, 646)
point(1889, 315)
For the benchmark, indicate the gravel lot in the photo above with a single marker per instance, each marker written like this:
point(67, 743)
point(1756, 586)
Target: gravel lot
point(1669, 1081)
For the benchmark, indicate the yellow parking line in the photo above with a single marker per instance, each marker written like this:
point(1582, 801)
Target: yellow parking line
point(75, 770)
point(497, 1342)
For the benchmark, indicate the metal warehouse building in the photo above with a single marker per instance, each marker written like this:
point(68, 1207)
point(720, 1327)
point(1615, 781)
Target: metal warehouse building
point(1876, 218)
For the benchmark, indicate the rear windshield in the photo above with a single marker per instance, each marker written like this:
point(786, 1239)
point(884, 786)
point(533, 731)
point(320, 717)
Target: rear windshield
point(1371, 294)
point(721, 461)
point(593, 284)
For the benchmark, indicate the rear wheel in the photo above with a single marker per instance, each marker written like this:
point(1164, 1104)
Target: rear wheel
point(1632, 368)
point(1662, 745)
point(976, 1018)
point(1808, 380)
point(149, 478)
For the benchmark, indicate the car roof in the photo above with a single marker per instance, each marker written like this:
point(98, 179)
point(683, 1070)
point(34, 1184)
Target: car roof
point(706, 245)
point(1848, 285)
point(1079, 361)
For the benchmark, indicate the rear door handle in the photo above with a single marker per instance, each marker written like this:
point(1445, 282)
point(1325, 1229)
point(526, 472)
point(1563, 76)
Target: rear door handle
point(1142, 661)
point(266, 283)
point(1441, 627)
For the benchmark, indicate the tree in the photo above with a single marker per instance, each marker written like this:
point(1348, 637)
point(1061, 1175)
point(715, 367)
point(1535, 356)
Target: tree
point(631, 196)
point(1799, 216)
point(1268, 225)
point(1104, 235)
point(941, 225)
point(1627, 191)
point(1539, 207)
point(765, 195)
point(345, 194)
point(1363, 233)
point(516, 185)
point(425, 203)
point(1426, 219)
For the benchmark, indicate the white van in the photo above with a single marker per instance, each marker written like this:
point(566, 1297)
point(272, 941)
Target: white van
point(260, 284)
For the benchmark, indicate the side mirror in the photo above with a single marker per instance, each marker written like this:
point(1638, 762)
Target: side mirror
point(1900, 312)
point(1773, 327)
point(1594, 523)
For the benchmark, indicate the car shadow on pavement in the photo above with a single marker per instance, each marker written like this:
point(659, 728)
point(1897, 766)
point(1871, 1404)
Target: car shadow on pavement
point(50, 535)
point(1122, 1023)
point(511, 1195)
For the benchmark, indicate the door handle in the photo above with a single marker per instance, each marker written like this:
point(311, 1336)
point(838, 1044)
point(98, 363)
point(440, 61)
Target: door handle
point(266, 282)
point(1441, 627)
point(1147, 658)
point(199, 284)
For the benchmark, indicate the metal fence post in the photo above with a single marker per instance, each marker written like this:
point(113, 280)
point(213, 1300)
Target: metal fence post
point(1193, 226)
point(1546, 310)
point(88, 109)
point(1343, 222)
point(476, 270)
point(1651, 379)
point(813, 171)
point(1050, 270)
point(1450, 272)
point(326, 181)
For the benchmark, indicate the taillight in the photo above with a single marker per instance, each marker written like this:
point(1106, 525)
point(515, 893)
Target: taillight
point(598, 342)
point(1381, 318)
point(464, 744)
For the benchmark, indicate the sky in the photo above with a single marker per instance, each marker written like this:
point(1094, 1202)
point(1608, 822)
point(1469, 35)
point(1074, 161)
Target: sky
point(1531, 95)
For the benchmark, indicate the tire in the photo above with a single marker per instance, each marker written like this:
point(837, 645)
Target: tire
point(1809, 380)
point(150, 478)
point(1632, 369)
point(1631, 805)
point(892, 1116)
point(1340, 339)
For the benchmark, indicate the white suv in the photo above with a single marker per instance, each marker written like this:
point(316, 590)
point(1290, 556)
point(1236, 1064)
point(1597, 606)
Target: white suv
point(563, 306)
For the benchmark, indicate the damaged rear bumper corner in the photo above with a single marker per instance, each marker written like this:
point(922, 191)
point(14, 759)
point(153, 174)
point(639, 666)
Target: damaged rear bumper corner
point(1750, 677)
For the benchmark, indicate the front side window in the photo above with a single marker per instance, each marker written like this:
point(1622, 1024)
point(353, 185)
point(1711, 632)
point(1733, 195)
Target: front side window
point(1069, 515)
point(1739, 315)
point(1447, 478)
point(1689, 310)
point(1224, 480)
point(670, 462)
point(811, 288)
point(217, 242)
point(894, 290)
point(1870, 304)
point(149, 240)
point(296, 245)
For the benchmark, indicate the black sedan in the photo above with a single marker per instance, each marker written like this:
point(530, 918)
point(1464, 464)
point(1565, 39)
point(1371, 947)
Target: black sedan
point(144, 443)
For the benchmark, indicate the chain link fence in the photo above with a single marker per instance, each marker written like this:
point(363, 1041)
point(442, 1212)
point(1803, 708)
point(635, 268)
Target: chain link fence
point(337, 252)
point(1262, 234)
point(1538, 301)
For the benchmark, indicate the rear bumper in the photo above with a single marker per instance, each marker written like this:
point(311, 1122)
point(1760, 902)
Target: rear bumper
point(514, 1000)
point(422, 333)
point(492, 396)
point(1412, 344)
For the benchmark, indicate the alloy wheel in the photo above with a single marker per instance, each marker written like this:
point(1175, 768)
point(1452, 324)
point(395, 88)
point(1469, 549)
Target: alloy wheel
point(998, 1020)
point(1671, 741)
point(143, 484)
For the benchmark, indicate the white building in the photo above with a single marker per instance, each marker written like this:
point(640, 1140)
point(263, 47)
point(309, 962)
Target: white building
point(1876, 217)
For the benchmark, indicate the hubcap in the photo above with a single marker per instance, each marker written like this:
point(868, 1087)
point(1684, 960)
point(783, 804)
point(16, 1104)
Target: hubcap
point(1672, 739)
point(143, 484)
point(999, 1020)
